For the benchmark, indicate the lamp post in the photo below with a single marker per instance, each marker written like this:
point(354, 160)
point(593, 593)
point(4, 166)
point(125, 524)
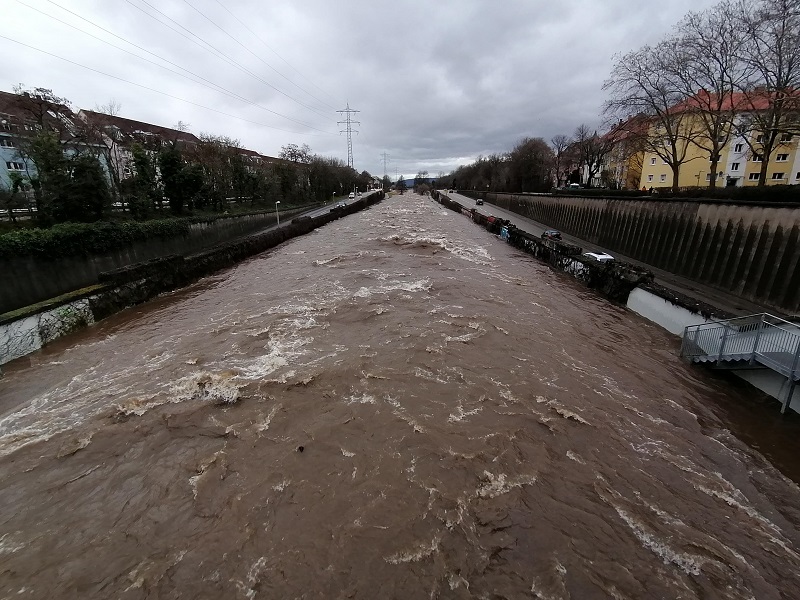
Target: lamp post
point(277, 214)
point(698, 178)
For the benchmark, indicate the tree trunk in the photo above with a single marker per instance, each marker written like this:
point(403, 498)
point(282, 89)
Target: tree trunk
point(762, 177)
point(712, 182)
point(675, 175)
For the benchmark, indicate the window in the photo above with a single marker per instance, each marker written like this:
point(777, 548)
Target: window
point(708, 176)
point(649, 178)
point(15, 166)
point(711, 158)
point(735, 166)
point(777, 176)
point(759, 138)
point(7, 143)
point(662, 177)
point(756, 158)
point(653, 160)
point(738, 147)
point(797, 176)
point(786, 137)
point(753, 177)
point(664, 161)
point(781, 157)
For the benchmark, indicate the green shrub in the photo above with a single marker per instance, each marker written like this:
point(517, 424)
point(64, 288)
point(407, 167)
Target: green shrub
point(81, 239)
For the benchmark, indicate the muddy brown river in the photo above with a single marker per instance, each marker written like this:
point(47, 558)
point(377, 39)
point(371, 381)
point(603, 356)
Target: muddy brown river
point(397, 405)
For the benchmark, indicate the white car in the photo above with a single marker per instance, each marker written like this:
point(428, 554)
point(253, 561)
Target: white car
point(599, 256)
point(352, 195)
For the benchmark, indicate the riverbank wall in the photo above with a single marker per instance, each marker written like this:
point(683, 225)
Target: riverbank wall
point(28, 280)
point(750, 250)
point(29, 329)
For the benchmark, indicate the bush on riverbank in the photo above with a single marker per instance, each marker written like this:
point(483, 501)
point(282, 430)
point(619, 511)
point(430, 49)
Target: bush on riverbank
point(83, 239)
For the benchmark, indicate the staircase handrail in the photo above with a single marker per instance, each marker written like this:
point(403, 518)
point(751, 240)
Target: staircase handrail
point(755, 318)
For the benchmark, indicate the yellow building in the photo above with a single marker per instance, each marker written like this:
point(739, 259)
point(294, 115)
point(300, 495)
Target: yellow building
point(739, 162)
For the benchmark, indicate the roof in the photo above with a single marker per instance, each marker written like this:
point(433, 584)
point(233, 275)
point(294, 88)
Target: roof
point(757, 99)
point(21, 109)
point(132, 128)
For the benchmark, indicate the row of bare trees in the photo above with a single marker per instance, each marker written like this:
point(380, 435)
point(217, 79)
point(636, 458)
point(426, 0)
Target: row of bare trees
point(533, 165)
point(731, 72)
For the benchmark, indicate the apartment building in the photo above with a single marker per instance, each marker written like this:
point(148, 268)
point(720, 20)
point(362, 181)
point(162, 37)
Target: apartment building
point(739, 162)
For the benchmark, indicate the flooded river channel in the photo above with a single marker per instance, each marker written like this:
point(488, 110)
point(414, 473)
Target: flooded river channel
point(397, 405)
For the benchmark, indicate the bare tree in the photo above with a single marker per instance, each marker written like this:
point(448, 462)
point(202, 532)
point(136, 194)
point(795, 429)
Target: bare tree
point(592, 150)
point(709, 71)
point(295, 153)
point(562, 161)
point(529, 165)
point(107, 141)
point(772, 51)
point(643, 83)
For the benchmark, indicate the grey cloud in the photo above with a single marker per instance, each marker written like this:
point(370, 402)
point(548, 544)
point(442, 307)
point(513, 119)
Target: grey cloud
point(437, 84)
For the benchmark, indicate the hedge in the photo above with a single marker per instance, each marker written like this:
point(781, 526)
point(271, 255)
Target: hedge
point(81, 239)
point(782, 194)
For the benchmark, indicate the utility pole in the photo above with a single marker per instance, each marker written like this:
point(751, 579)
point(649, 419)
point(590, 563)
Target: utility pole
point(385, 160)
point(349, 130)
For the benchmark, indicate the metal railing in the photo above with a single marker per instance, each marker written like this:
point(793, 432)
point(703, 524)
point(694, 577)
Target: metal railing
point(763, 338)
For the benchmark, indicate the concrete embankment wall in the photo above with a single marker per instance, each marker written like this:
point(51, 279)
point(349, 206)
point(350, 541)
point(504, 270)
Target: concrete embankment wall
point(749, 250)
point(28, 280)
point(29, 330)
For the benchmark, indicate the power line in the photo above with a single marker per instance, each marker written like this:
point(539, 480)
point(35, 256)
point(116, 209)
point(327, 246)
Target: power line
point(348, 111)
point(220, 54)
point(195, 42)
point(268, 47)
point(216, 87)
point(77, 64)
point(207, 18)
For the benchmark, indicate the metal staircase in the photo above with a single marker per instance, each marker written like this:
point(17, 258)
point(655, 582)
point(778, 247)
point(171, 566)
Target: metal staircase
point(752, 342)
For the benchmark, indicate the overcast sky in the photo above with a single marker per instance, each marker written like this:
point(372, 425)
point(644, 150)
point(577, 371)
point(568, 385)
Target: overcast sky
point(436, 83)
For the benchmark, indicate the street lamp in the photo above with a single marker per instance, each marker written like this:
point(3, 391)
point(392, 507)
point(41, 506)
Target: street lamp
point(277, 214)
point(698, 178)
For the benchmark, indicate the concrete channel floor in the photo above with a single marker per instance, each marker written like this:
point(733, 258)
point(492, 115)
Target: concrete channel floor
point(686, 287)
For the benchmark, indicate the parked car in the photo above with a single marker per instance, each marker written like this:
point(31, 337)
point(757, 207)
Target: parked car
point(478, 202)
point(599, 256)
point(574, 186)
point(352, 196)
point(551, 234)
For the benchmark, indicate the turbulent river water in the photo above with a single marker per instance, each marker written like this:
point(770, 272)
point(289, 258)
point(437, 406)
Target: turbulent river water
point(398, 405)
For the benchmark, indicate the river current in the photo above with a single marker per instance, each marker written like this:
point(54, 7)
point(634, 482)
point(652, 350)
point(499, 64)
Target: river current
point(397, 405)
